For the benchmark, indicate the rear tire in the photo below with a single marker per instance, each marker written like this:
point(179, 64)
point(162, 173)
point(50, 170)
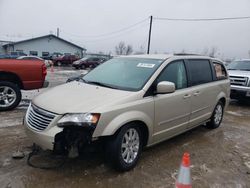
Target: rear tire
point(217, 116)
point(123, 151)
point(10, 95)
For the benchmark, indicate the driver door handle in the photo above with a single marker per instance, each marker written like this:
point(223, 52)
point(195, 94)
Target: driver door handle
point(197, 93)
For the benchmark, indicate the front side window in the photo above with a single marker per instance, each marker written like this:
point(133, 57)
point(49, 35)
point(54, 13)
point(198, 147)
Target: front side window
point(200, 71)
point(123, 73)
point(174, 72)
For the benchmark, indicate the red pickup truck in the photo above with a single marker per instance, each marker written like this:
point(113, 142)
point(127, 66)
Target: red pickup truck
point(16, 75)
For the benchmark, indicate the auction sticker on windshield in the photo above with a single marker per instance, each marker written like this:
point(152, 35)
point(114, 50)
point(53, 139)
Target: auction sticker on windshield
point(145, 65)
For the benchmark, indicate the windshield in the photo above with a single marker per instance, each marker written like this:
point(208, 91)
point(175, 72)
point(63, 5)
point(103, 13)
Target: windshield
point(239, 65)
point(124, 73)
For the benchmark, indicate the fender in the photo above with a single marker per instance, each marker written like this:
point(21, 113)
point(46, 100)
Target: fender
point(123, 119)
point(219, 97)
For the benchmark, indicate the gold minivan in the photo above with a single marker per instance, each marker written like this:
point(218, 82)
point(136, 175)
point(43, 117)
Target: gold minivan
point(128, 103)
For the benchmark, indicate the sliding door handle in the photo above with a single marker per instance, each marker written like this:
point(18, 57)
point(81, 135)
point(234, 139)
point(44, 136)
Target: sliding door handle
point(186, 96)
point(197, 93)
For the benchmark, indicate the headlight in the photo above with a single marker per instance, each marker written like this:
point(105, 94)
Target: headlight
point(79, 119)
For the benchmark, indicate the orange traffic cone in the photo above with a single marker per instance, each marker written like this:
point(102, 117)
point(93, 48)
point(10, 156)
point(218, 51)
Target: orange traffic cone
point(184, 177)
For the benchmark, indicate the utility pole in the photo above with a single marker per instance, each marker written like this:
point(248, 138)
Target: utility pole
point(57, 32)
point(149, 34)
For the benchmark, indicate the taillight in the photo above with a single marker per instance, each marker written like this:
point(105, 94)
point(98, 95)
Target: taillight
point(44, 70)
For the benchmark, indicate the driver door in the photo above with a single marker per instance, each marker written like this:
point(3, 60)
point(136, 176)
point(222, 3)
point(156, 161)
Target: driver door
point(172, 110)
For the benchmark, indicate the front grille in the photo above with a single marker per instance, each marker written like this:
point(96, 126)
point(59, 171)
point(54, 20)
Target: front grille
point(238, 80)
point(38, 118)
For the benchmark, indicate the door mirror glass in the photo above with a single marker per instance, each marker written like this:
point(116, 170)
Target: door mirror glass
point(165, 87)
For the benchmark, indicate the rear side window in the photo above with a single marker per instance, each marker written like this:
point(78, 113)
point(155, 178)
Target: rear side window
point(220, 71)
point(200, 71)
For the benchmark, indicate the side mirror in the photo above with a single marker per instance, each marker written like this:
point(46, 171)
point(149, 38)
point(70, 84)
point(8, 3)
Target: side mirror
point(165, 87)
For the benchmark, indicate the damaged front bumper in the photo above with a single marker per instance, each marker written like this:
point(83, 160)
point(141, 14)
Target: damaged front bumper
point(45, 139)
point(70, 140)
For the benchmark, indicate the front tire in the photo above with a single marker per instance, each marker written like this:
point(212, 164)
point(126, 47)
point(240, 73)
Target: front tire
point(10, 95)
point(125, 148)
point(217, 116)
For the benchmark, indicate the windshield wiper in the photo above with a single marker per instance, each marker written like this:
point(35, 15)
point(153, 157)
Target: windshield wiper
point(244, 69)
point(99, 84)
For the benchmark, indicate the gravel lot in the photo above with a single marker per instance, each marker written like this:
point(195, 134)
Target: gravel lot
point(220, 157)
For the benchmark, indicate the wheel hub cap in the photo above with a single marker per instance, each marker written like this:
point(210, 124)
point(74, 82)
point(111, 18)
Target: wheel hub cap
point(7, 96)
point(218, 114)
point(130, 145)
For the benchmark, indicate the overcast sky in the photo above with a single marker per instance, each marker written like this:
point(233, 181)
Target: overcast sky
point(89, 24)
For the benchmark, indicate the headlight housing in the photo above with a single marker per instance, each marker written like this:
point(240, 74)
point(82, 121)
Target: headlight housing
point(80, 119)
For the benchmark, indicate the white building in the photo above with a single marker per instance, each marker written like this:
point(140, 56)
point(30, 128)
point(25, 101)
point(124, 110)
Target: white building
point(44, 45)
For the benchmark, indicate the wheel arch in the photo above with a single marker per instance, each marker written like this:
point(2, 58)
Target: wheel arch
point(11, 77)
point(138, 118)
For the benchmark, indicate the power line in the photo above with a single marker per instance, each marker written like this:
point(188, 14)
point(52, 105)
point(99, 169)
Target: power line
point(106, 34)
point(203, 19)
point(115, 35)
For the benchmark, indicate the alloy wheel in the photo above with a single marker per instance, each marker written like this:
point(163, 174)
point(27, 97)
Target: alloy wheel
point(130, 145)
point(7, 96)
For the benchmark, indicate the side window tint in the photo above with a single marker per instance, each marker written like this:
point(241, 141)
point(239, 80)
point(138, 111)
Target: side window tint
point(200, 71)
point(220, 71)
point(174, 72)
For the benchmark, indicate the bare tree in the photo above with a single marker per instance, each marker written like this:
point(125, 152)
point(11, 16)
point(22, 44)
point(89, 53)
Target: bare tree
point(141, 50)
point(119, 50)
point(129, 50)
point(213, 51)
point(205, 51)
point(183, 51)
point(122, 49)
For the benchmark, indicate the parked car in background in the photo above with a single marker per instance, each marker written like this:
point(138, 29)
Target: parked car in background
point(5, 56)
point(15, 55)
point(130, 102)
point(16, 75)
point(12, 55)
point(88, 62)
point(65, 60)
point(51, 56)
point(48, 63)
point(239, 72)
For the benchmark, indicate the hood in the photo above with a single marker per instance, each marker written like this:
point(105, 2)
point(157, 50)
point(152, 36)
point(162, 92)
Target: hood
point(77, 62)
point(78, 97)
point(239, 73)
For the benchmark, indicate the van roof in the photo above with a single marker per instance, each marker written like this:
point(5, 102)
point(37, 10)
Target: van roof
point(166, 56)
